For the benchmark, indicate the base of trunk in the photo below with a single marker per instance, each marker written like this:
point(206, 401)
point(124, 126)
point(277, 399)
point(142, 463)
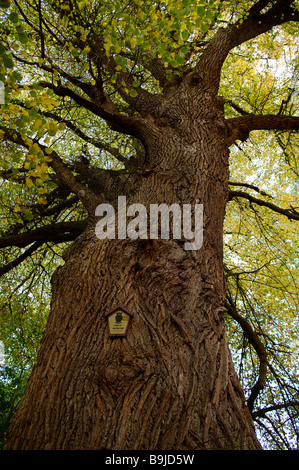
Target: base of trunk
point(168, 384)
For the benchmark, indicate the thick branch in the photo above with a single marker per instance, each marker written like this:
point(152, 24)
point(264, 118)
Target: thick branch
point(62, 237)
point(9, 266)
point(251, 186)
point(257, 23)
point(291, 214)
point(128, 125)
point(44, 234)
point(262, 413)
point(240, 127)
point(98, 143)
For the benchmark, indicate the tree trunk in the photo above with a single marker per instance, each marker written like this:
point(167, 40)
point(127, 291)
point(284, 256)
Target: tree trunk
point(170, 382)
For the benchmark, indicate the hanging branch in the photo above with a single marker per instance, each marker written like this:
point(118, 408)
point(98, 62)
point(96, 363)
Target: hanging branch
point(6, 268)
point(258, 346)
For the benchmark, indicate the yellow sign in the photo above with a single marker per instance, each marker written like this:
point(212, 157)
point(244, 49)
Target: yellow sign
point(118, 321)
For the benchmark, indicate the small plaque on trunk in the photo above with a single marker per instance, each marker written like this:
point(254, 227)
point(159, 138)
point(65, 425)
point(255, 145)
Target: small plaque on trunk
point(118, 321)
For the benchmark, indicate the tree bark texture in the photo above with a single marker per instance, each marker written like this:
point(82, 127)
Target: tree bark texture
point(170, 383)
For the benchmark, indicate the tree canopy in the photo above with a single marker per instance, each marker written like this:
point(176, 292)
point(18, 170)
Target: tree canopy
point(80, 80)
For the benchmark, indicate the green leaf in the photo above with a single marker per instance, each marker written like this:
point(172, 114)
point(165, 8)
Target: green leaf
point(200, 11)
point(28, 214)
point(204, 27)
point(180, 60)
point(14, 18)
point(133, 93)
point(136, 83)
point(185, 35)
point(4, 3)
point(8, 62)
point(23, 38)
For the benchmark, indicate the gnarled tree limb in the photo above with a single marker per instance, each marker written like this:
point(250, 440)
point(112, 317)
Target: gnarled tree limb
point(240, 127)
point(256, 23)
point(125, 124)
point(44, 234)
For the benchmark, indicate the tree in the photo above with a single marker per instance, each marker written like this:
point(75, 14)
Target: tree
point(89, 79)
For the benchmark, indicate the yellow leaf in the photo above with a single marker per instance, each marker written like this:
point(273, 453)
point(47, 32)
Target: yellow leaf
point(133, 42)
point(44, 177)
point(107, 46)
point(15, 46)
point(42, 200)
point(13, 108)
point(16, 208)
point(29, 182)
point(37, 124)
point(42, 190)
point(27, 140)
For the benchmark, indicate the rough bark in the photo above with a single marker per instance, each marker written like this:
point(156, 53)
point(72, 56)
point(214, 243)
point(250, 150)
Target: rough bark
point(170, 383)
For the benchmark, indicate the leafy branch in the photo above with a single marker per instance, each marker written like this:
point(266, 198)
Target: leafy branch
point(259, 347)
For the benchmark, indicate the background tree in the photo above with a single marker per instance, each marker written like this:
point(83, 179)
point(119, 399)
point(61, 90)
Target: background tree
point(100, 102)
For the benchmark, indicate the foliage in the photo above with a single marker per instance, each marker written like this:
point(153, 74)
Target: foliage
point(58, 59)
point(261, 252)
